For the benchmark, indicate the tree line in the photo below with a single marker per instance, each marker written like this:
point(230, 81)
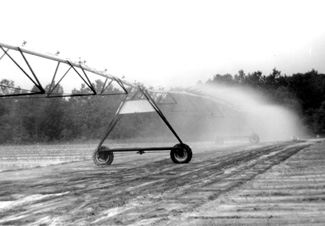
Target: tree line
point(28, 120)
point(304, 93)
point(32, 119)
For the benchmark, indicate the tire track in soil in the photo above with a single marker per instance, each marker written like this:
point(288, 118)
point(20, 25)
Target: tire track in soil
point(192, 188)
point(153, 193)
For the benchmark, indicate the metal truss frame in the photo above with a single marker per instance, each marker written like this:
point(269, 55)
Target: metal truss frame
point(84, 76)
point(118, 117)
point(157, 98)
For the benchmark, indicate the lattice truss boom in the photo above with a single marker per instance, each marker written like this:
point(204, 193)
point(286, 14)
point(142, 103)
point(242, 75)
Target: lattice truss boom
point(45, 75)
point(50, 76)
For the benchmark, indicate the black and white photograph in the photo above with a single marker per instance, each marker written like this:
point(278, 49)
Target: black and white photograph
point(162, 113)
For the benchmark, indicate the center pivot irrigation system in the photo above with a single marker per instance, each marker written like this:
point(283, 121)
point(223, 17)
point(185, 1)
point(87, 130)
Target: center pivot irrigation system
point(66, 72)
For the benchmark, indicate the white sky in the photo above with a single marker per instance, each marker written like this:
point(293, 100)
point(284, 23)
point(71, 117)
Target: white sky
point(173, 43)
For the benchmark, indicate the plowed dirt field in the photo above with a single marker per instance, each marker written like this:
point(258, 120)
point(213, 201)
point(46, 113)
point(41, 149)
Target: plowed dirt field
point(279, 183)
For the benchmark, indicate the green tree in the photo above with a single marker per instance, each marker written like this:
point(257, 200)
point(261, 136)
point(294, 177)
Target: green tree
point(254, 79)
point(240, 78)
point(319, 119)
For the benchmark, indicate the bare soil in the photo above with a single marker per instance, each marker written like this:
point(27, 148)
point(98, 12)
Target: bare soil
point(266, 184)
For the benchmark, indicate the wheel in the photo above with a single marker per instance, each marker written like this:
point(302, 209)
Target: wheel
point(254, 139)
point(103, 157)
point(183, 155)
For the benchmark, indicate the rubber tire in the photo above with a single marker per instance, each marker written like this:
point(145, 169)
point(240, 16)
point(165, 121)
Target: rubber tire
point(181, 156)
point(254, 139)
point(104, 158)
